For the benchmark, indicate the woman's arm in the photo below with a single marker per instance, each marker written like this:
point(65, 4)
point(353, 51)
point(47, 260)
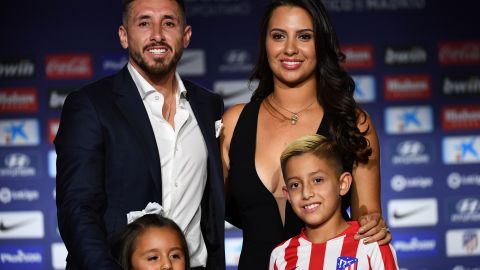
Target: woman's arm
point(366, 203)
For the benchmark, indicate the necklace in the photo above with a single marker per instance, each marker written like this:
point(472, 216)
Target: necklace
point(295, 115)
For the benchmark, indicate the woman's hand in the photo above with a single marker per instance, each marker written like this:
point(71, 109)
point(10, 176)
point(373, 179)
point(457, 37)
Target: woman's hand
point(373, 229)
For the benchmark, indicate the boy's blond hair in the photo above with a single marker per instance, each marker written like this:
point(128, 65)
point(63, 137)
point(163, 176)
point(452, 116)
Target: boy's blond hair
point(317, 145)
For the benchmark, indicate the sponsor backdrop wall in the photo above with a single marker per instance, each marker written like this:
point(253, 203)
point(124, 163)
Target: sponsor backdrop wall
point(416, 64)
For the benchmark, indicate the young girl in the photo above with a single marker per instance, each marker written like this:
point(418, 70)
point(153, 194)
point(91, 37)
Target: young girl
point(152, 242)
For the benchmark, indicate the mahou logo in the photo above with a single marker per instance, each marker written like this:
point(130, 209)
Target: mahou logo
point(13, 100)
point(461, 117)
point(407, 87)
point(459, 53)
point(69, 66)
point(358, 56)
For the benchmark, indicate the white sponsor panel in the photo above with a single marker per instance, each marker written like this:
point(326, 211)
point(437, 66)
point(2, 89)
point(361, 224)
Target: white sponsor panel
point(400, 182)
point(463, 242)
point(59, 256)
point(234, 91)
point(456, 180)
point(19, 132)
point(409, 119)
point(192, 63)
point(413, 212)
point(233, 248)
point(52, 163)
point(365, 88)
point(461, 149)
point(21, 224)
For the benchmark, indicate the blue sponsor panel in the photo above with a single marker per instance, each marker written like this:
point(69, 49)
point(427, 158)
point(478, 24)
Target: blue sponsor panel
point(112, 62)
point(19, 165)
point(464, 211)
point(409, 152)
point(419, 244)
point(21, 257)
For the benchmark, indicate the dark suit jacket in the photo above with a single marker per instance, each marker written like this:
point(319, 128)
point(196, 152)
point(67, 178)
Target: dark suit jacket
point(108, 165)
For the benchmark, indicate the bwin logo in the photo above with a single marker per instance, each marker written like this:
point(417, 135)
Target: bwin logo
point(17, 160)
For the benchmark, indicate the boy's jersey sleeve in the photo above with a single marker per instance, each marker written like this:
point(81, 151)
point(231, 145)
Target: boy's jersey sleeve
point(382, 257)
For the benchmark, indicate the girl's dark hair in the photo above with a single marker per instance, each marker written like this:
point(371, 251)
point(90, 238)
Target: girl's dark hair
point(125, 244)
point(334, 86)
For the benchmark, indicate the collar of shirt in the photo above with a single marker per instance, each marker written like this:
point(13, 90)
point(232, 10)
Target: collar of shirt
point(145, 88)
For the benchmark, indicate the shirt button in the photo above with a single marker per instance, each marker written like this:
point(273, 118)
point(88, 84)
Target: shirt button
point(176, 184)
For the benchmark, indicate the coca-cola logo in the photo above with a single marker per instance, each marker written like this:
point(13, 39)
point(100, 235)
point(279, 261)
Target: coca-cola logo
point(77, 66)
point(459, 53)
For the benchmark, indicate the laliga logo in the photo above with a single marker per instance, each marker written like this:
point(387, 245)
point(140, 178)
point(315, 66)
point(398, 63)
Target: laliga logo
point(5, 195)
point(17, 160)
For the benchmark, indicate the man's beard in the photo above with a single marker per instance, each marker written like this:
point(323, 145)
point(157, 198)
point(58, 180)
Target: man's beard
point(160, 67)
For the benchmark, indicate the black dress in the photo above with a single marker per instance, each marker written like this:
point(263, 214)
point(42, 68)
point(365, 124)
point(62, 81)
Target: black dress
point(250, 205)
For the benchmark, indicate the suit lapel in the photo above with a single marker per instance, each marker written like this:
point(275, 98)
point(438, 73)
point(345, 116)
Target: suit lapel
point(131, 105)
point(201, 111)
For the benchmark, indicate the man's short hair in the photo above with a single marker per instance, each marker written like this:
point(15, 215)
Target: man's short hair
point(317, 145)
point(126, 6)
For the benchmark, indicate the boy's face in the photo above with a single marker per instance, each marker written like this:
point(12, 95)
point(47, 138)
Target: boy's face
point(314, 188)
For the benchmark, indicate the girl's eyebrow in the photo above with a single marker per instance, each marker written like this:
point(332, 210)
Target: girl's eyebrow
point(298, 31)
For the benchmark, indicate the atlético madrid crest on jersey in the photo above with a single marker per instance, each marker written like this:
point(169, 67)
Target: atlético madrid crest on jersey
point(347, 263)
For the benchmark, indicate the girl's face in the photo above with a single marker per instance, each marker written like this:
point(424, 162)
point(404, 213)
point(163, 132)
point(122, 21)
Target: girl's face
point(158, 248)
point(290, 45)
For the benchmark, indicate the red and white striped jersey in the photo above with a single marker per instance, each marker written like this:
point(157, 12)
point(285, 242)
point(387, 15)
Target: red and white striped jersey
point(340, 253)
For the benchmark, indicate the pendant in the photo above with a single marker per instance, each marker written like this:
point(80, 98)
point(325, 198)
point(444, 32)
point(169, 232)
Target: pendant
point(294, 119)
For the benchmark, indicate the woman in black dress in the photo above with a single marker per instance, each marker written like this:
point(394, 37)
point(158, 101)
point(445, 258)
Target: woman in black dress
point(302, 90)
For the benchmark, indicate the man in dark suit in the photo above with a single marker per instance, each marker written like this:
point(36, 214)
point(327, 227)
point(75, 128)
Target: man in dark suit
point(143, 135)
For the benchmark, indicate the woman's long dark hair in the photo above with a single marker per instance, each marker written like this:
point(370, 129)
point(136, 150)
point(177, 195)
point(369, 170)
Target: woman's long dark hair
point(334, 86)
point(124, 246)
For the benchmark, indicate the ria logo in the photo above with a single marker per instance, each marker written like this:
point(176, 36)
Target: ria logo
point(406, 120)
point(461, 150)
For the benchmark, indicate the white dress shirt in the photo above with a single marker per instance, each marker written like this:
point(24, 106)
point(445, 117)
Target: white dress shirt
point(183, 158)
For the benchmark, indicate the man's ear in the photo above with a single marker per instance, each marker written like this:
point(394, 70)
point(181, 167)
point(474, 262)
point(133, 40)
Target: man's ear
point(122, 34)
point(345, 181)
point(187, 35)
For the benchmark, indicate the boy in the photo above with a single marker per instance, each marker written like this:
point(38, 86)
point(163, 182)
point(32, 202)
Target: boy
point(315, 181)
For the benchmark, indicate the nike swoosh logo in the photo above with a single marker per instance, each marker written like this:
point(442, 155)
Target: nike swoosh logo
point(5, 228)
point(398, 215)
